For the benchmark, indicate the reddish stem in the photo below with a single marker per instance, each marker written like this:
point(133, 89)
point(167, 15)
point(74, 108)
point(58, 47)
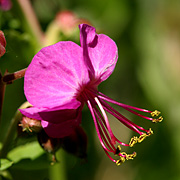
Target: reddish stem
point(8, 78)
point(2, 93)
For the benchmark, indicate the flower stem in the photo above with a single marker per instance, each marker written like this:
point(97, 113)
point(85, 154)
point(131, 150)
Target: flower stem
point(10, 134)
point(32, 19)
point(2, 93)
point(58, 171)
point(9, 78)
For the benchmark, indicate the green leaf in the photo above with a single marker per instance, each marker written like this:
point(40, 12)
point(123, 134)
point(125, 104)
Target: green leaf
point(28, 151)
point(4, 164)
point(40, 163)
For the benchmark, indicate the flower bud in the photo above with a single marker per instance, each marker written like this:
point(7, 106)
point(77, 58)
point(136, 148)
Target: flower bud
point(63, 27)
point(49, 144)
point(2, 44)
point(30, 125)
point(68, 21)
point(5, 5)
point(76, 143)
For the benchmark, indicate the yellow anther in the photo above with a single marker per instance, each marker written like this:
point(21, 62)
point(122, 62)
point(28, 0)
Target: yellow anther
point(150, 132)
point(157, 120)
point(131, 156)
point(120, 161)
point(155, 113)
point(133, 141)
point(118, 150)
point(124, 154)
point(142, 137)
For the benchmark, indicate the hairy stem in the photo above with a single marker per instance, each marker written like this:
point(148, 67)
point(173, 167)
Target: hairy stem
point(8, 78)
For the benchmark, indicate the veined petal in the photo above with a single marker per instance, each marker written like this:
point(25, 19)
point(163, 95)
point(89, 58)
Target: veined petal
point(87, 34)
point(100, 52)
point(53, 115)
point(54, 75)
point(103, 56)
point(61, 129)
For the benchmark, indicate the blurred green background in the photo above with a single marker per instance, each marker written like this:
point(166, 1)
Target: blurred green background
point(147, 33)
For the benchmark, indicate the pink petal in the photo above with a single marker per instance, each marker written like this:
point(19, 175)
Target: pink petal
point(63, 113)
point(103, 56)
point(54, 75)
point(99, 51)
point(87, 34)
point(62, 129)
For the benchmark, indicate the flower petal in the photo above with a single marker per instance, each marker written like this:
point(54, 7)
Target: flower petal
point(61, 129)
point(53, 115)
point(54, 75)
point(99, 51)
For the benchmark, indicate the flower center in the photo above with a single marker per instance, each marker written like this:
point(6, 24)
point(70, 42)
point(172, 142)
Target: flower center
point(86, 91)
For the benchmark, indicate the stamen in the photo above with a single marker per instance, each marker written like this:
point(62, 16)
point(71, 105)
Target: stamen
point(157, 120)
point(142, 137)
point(121, 118)
point(139, 139)
point(106, 98)
point(150, 132)
point(106, 119)
point(120, 161)
point(124, 156)
point(99, 106)
point(133, 141)
point(155, 113)
point(131, 156)
point(105, 137)
point(95, 123)
point(104, 130)
point(129, 108)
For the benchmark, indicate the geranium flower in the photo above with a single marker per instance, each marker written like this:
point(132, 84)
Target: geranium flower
point(63, 77)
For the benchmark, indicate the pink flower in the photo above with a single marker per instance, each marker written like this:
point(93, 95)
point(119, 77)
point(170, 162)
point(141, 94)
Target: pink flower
point(2, 44)
point(5, 5)
point(63, 77)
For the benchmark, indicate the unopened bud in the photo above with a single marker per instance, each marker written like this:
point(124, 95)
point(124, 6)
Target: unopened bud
point(5, 5)
point(68, 21)
point(49, 144)
point(76, 143)
point(2, 44)
point(30, 125)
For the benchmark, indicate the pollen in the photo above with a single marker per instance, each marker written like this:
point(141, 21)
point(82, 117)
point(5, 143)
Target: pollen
point(139, 139)
point(131, 156)
point(142, 137)
point(150, 132)
point(155, 113)
point(157, 120)
point(133, 141)
point(124, 156)
point(120, 161)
